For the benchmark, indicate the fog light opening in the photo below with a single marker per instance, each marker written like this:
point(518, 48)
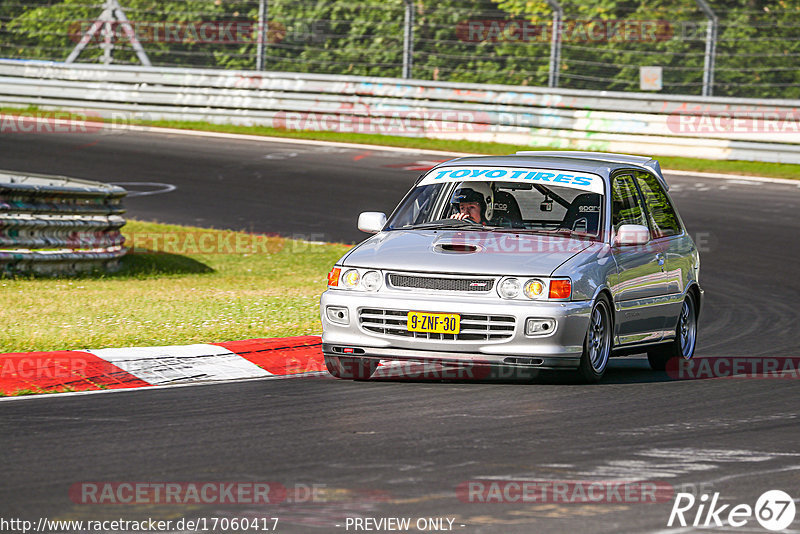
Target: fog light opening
point(338, 314)
point(535, 326)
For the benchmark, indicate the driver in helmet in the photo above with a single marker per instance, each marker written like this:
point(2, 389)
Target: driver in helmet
point(473, 201)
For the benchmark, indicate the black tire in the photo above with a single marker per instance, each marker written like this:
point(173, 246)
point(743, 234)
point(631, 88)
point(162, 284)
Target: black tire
point(350, 368)
point(685, 338)
point(598, 342)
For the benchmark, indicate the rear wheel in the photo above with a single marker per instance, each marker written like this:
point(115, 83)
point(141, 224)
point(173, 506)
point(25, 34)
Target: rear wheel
point(597, 344)
point(350, 368)
point(685, 338)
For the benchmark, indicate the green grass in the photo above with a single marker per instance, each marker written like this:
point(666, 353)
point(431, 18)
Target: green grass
point(38, 391)
point(179, 297)
point(752, 168)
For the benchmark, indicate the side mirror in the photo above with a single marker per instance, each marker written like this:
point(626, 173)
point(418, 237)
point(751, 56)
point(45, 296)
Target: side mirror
point(371, 222)
point(632, 234)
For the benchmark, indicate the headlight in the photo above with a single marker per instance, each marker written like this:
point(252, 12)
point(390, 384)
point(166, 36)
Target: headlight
point(371, 280)
point(350, 279)
point(509, 288)
point(533, 288)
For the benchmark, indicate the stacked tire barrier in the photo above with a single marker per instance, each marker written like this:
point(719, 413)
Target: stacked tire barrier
point(639, 123)
point(59, 225)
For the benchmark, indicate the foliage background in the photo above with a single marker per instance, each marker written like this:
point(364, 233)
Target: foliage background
point(757, 54)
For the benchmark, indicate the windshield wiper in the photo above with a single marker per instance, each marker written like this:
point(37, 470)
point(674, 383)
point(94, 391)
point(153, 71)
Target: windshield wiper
point(575, 234)
point(507, 230)
point(445, 223)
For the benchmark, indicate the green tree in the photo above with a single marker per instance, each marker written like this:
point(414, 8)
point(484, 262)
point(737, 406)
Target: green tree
point(757, 50)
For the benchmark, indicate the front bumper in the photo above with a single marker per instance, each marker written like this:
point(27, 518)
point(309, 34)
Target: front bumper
point(559, 349)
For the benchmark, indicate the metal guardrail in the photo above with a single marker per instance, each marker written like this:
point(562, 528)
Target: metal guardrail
point(54, 224)
point(665, 125)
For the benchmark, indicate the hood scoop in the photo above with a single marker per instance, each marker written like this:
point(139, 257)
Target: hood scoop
point(456, 248)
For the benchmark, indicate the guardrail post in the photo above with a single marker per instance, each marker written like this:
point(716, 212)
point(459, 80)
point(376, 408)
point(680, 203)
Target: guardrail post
point(261, 48)
point(408, 39)
point(711, 47)
point(555, 43)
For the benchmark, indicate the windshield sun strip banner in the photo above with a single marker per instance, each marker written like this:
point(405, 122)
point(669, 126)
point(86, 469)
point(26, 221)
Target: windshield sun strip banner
point(575, 180)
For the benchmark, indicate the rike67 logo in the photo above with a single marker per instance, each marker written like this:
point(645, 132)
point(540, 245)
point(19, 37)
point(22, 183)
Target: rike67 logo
point(774, 510)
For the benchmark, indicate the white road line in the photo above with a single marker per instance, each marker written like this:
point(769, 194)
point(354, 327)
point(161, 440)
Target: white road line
point(288, 140)
point(245, 137)
point(736, 178)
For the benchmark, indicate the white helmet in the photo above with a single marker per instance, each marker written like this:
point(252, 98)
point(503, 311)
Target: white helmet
point(480, 192)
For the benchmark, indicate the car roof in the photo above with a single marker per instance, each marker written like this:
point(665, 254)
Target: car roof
point(600, 163)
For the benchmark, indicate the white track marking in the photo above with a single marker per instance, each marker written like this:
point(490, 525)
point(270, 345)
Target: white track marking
point(164, 188)
point(660, 463)
point(181, 363)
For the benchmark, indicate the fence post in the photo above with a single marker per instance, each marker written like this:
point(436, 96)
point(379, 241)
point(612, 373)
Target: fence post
point(111, 10)
point(408, 39)
point(261, 46)
point(555, 43)
point(711, 47)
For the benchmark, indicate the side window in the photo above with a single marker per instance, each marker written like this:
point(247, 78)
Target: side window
point(662, 214)
point(416, 207)
point(626, 207)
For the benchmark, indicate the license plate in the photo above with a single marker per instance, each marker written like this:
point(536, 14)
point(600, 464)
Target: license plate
point(433, 323)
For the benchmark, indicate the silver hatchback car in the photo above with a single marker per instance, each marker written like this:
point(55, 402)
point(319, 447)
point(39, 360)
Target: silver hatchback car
point(538, 260)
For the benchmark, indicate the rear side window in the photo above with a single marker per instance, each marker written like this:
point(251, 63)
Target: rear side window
point(625, 205)
point(662, 214)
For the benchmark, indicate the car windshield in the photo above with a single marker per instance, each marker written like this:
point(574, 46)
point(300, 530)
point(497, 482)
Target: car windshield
point(573, 207)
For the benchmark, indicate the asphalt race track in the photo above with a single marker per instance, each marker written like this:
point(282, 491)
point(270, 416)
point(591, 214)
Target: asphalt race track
point(401, 448)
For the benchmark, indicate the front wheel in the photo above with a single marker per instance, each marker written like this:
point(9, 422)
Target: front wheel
point(685, 338)
point(597, 344)
point(350, 368)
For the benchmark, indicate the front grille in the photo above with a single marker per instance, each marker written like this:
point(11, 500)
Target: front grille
point(477, 285)
point(473, 327)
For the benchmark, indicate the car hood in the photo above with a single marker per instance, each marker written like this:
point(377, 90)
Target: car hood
point(464, 252)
